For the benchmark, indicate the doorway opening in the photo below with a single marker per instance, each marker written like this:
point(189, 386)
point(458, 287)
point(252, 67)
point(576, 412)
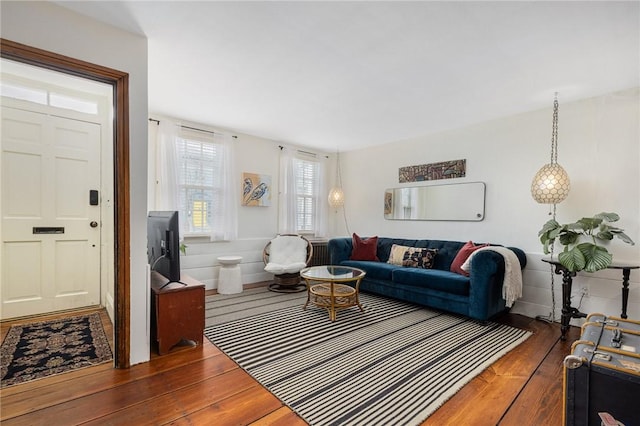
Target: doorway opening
point(57, 191)
point(119, 82)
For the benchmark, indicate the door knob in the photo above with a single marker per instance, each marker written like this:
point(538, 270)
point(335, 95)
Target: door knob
point(93, 224)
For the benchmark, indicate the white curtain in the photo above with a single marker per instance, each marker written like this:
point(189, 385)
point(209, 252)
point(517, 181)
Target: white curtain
point(322, 204)
point(288, 195)
point(166, 189)
point(225, 218)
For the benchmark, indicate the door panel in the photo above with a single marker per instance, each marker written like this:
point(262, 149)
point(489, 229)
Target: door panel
point(49, 164)
point(73, 201)
point(25, 276)
point(25, 168)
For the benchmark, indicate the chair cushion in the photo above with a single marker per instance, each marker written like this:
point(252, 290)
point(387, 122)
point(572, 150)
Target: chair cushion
point(287, 254)
point(290, 268)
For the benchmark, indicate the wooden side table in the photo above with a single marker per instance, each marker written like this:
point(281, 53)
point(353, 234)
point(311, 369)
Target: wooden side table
point(177, 311)
point(568, 311)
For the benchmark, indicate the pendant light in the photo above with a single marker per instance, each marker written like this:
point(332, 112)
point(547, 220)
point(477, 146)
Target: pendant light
point(551, 184)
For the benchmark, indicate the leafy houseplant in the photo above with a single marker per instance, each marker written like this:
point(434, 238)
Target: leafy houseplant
point(580, 240)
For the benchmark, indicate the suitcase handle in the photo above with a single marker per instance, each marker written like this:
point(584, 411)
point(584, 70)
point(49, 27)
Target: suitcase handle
point(616, 339)
point(607, 322)
point(597, 354)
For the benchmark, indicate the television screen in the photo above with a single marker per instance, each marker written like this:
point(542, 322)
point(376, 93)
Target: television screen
point(163, 244)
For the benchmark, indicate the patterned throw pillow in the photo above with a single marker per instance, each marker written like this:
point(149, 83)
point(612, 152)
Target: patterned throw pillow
point(419, 257)
point(396, 256)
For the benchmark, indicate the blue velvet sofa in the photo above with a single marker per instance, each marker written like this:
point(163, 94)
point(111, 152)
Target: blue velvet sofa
point(478, 296)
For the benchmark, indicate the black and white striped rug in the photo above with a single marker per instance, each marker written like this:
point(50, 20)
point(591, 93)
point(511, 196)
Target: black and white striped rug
point(394, 364)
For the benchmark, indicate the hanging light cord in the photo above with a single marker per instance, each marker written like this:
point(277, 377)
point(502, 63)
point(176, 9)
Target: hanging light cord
point(339, 180)
point(552, 316)
point(554, 133)
point(345, 220)
point(554, 160)
point(553, 292)
point(338, 174)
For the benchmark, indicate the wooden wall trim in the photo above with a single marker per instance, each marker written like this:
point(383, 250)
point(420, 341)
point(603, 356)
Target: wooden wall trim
point(120, 82)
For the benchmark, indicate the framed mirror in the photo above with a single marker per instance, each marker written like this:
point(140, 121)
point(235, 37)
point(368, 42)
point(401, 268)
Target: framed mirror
point(458, 201)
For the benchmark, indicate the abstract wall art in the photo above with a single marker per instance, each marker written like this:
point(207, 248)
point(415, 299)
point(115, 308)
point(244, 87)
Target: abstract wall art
point(256, 190)
point(433, 171)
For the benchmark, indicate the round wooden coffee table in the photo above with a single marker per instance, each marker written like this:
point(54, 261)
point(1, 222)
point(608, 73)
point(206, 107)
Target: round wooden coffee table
point(333, 287)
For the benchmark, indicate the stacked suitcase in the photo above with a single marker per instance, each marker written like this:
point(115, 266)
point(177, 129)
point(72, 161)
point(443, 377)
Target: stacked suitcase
point(602, 374)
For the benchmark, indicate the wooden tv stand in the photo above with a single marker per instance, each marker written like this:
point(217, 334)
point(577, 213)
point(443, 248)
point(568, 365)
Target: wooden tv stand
point(177, 312)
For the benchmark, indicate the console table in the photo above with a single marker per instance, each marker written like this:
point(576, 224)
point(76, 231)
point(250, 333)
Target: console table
point(568, 311)
point(177, 311)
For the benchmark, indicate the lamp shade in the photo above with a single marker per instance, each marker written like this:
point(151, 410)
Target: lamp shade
point(551, 184)
point(336, 197)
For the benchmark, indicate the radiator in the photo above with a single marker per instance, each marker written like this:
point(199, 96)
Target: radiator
point(320, 254)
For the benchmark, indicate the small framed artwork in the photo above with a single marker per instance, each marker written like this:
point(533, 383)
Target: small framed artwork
point(256, 190)
point(388, 202)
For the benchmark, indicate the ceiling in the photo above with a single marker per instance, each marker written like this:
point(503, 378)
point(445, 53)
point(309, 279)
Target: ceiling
point(348, 75)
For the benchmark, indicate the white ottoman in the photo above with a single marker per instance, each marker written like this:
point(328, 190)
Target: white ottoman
point(230, 279)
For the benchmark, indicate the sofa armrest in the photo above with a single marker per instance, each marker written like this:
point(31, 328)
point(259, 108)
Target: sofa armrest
point(521, 256)
point(340, 249)
point(487, 275)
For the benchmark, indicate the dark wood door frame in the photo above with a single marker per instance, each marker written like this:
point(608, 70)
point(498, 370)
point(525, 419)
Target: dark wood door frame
point(120, 82)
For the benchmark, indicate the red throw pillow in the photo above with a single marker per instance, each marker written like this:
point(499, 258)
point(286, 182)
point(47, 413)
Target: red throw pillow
point(462, 256)
point(364, 249)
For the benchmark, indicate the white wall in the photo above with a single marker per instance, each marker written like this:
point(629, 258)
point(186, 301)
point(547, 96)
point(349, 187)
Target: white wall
point(598, 146)
point(50, 27)
point(256, 225)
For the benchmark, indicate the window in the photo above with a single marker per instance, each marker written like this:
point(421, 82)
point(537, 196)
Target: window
point(200, 189)
point(23, 93)
point(306, 175)
point(46, 97)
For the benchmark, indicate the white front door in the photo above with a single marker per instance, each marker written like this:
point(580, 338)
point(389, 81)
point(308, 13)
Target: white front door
point(50, 226)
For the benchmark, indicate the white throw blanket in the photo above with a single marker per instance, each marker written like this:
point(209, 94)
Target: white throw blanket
point(512, 283)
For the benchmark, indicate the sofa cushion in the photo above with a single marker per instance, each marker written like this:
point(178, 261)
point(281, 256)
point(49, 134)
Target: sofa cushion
point(374, 270)
point(463, 254)
point(364, 248)
point(445, 281)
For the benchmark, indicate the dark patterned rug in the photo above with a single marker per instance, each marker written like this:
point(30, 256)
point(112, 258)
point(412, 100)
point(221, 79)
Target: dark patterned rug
point(41, 349)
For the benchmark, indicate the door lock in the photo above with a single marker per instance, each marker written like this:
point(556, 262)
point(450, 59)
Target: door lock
point(93, 197)
point(93, 224)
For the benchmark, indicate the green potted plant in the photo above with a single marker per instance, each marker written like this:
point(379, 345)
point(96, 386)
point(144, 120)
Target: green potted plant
point(580, 240)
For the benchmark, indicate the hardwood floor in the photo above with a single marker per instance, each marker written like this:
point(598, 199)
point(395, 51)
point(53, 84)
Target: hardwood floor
point(202, 386)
